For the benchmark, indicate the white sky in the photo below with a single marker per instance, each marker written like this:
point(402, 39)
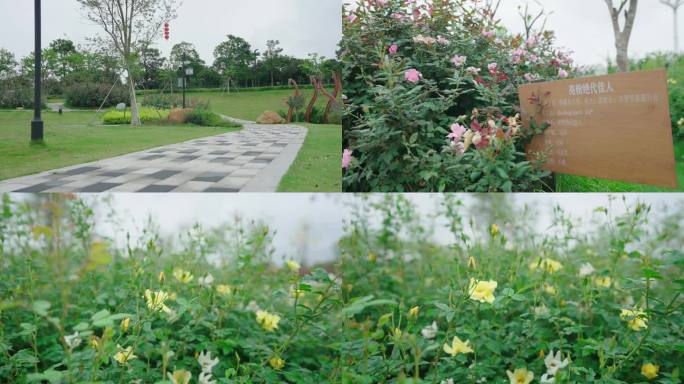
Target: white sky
point(584, 26)
point(302, 26)
point(323, 214)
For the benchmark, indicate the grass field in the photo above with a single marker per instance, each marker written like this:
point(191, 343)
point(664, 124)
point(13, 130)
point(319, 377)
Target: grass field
point(317, 167)
point(69, 140)
point(571, 183)
point(248, 105)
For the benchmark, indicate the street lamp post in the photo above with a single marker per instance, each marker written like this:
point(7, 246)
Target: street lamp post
point(185, 72)
point(37, 123)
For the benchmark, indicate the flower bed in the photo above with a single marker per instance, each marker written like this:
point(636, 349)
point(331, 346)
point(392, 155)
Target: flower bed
point(431, 92)
point(75, 308)
point(510, 304)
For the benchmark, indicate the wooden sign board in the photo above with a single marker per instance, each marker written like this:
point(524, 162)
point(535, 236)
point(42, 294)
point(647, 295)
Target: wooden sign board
point(613, 127)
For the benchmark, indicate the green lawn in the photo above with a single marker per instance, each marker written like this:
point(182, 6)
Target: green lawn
point(72, 139)
point(571, 183)
point(317, 167)
point(318, 164)
point(248, 105)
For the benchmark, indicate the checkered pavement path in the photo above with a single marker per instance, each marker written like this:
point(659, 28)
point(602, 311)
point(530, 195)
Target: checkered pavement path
point(253, 159)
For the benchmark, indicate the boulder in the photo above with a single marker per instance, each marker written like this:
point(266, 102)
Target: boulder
point(270, 117)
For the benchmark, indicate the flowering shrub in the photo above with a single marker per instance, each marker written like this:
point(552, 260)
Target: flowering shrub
point(431, 92)
point(506, 304)
point(74, 308)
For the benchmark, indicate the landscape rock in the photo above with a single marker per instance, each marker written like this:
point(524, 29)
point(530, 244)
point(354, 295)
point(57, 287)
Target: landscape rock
point(270, 117)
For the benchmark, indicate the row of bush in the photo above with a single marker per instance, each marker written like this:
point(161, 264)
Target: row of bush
point(16, 94)
point(197, 116)
point(92, 95)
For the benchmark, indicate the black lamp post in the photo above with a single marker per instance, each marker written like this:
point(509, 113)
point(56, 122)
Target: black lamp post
point(37, 123)
point(185, 72)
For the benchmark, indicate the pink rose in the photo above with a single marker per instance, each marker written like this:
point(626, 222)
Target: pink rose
point(346, 158)
point(488, 34)
point(458, 60)
point(412, 75)
point(442, 40)
point(530, 77)
point(473, 70)
point(493, 67)
point(351, 18)
point(393, 49)
point(457, 131)
point(562, 73)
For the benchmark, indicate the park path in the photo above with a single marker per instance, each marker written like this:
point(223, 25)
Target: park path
point(253, 159)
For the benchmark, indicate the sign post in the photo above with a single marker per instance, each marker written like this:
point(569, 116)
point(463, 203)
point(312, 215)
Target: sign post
point(613, 127)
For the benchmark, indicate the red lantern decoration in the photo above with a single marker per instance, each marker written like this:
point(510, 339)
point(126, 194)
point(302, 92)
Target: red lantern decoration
point(166, 31)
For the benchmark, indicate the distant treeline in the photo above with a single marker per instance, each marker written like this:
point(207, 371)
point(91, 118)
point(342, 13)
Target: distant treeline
point(235, 64)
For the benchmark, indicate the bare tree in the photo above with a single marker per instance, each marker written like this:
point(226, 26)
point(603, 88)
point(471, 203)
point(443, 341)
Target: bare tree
point(622, 35)
point(130, 26)
point(674, 4)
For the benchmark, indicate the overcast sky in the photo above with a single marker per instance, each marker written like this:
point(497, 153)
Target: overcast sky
point(584, 26)
point(302, 26)
point(318, 218)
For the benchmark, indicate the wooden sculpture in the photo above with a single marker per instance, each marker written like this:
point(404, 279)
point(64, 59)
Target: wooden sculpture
point(293, 99)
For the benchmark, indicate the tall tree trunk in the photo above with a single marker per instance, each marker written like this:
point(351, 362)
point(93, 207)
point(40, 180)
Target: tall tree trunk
point(676, 31)
point(135, 116)
point(623, 35)
point(622, 56)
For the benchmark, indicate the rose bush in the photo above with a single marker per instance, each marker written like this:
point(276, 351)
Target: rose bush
point(76, 308)
point(509, 301)
point(417, 71)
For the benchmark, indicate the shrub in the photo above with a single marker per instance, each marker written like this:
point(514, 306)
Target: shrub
point(92, 95)
point(147, 115)
point(415, 73)
point(605, 298)
point(162, 101)
point(206, 118)
point(73, 326)
point(675, 73)
point(16, 93)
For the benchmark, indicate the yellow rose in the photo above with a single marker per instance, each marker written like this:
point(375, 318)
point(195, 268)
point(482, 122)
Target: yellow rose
point(458, 346)
point(482, 291)
point(124, 354)
point(636, 319)
point(650, 371)
point(277, 363)
point(413, 312)
point(293, 266)
point(268, 321)
point(520, 376)
point(124, 324)
point(224, 290)
point(182, 275)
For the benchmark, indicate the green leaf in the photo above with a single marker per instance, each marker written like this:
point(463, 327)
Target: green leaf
point(359, 305)
point(41, 307)
point(651, 274)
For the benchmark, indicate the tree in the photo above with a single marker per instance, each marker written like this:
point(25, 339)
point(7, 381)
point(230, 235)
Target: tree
point(271, 55)
point(185, 51)
point(674, 4)
point(8, 64)
point(622, 35)
point(129, 26)
point(61, 54)
point(232, 59)
point(152, 64)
